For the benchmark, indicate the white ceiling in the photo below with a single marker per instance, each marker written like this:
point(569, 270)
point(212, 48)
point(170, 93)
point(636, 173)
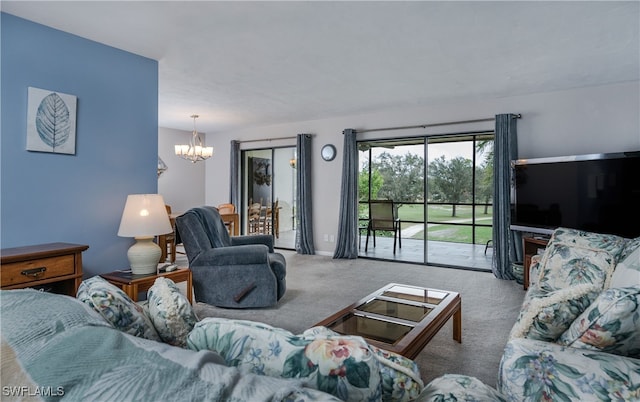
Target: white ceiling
point(240, 64)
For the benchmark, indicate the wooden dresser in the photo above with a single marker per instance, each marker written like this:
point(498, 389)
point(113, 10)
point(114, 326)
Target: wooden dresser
point(52, 267)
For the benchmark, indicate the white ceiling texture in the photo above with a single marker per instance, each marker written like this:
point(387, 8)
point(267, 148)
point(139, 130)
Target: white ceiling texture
point(243, 64)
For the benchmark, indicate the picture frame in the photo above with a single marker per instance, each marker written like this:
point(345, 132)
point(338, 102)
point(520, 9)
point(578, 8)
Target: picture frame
point(51, 121)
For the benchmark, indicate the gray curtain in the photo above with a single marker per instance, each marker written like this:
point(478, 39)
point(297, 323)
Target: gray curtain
point(304, 210)
point(347, 244)
point(504, 240)
point(234, 176)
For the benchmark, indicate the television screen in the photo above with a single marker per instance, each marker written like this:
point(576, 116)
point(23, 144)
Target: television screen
point(597, 193)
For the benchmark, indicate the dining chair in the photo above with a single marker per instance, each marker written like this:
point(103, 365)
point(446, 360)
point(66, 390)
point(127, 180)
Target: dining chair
point(224, 209)
point(167, 242)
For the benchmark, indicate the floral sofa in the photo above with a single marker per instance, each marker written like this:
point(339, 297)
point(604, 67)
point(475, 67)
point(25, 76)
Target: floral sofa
point(103, 346)
point(577, 337)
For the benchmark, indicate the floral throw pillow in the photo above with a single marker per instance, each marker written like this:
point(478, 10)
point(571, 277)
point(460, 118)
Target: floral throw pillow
point(170, 312)
point(627, 272)
point(116, 307)
point(401, 380)
point(611, 324)
point(546, 315)
point(575, 257)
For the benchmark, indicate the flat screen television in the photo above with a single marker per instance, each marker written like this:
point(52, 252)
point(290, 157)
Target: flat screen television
point(596, 193)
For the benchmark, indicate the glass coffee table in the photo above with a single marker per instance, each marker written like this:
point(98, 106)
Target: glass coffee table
point(399, 318)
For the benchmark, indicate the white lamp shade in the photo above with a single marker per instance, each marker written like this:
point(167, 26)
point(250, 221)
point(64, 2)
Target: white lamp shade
point(144, 215)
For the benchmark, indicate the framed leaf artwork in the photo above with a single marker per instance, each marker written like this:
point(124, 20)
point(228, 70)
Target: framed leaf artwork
point(51, 122)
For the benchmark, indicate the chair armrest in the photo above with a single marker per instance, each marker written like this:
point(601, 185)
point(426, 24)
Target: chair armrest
point(233, 255)
point(531, 368)
point(266, 240)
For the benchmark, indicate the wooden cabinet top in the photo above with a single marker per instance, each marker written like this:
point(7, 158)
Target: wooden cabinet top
point(14, 254)
point(541, 241)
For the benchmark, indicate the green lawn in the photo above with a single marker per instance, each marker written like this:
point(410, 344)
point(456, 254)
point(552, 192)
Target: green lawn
point(444, 231)
point(456, 234)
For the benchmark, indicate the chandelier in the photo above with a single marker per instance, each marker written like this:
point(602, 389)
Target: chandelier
point(194, 151)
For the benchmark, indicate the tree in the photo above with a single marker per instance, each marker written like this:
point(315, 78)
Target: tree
point(484, 174)
point(450, 181)
point(484, 184)
point(402, 177)
point(363, 184)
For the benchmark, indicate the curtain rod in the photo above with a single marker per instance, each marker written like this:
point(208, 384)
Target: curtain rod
point(516, 116)
point(273, 139)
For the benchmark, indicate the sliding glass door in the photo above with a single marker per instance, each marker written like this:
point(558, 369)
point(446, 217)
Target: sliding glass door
point(441, 189)
point(268, 194)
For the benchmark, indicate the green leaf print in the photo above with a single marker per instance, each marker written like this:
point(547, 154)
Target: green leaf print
point(328, 384)
point(297, 365)
point(358, 373)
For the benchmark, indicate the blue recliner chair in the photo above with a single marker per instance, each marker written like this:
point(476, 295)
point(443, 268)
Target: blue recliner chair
point(232, 272)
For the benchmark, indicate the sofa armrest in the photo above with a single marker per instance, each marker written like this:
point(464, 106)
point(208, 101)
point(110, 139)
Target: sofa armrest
point(457, 387)
point(233, 255)
point(266, 240)
point(533, 370)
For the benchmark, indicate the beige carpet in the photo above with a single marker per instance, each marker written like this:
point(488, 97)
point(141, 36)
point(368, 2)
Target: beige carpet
point(318, 286)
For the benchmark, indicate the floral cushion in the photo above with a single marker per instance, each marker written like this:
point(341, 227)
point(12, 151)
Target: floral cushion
point(600, 241)
point(575, 257)
point(344, 366)
point(542, 371)
point(170, 312)
point(400, 375)
point(611, 324)
point(116, 307)
point(631, 246)
point(455, 387)
point(627, 272)
point(546, 315)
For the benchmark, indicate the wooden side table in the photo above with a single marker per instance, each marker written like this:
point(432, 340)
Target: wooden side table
point(132, 285)
point(531, 246)
point(55, 267)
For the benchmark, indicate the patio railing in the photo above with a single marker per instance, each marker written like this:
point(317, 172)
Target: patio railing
point(471, 224)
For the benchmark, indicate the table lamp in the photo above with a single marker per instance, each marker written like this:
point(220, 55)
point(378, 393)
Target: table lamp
point(144, 217)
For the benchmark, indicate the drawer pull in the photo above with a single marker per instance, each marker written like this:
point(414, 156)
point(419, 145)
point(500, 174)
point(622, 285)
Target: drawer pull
point(35, 272)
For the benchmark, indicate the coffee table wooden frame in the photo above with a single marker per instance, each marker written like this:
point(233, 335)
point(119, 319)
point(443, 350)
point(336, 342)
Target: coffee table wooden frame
point(411, 344)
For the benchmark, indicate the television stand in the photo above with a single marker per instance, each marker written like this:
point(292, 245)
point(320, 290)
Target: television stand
point(530, 247)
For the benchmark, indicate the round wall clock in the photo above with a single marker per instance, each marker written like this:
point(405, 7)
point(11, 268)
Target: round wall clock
point(328, 152)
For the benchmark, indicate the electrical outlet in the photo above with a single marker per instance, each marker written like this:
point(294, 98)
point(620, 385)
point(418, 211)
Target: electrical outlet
point(326, 237)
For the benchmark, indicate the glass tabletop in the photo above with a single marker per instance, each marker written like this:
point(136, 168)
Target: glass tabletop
point(383, 331)
point(395, 309)
point(421, 295)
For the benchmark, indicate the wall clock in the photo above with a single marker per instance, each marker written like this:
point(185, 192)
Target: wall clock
point(328, 152)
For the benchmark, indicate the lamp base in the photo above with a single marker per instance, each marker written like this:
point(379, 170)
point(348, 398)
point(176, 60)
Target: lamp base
point(144, 256)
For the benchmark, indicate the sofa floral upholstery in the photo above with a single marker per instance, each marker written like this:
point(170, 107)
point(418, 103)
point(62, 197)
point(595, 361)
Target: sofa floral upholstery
point(578, 333)
point(544, 371)
point(344, 366)
point(455, 387)
point(55, 347)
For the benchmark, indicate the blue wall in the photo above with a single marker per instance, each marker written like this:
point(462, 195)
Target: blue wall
point(77, 198)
